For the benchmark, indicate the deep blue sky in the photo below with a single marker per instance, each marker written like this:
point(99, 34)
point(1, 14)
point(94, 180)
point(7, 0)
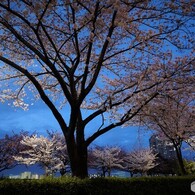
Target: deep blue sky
point(39, 118)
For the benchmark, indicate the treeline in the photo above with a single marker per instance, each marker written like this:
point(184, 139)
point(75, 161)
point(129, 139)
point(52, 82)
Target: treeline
point(50, 153)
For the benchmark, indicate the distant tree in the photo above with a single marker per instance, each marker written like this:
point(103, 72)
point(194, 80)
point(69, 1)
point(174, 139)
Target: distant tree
point(110, 57)
point(50, 154)
point(173, 117)
point(140, 161)
point(10, 146)
point(60, 152)
point(106, 159)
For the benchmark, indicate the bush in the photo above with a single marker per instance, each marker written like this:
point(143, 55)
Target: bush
point(141, 186)
point(42, 186)
point(98, 186)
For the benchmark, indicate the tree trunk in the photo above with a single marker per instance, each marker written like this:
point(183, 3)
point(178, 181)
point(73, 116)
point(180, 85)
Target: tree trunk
point(109, 172)
point(78, 158)
point(103, 171)
point(180, 160)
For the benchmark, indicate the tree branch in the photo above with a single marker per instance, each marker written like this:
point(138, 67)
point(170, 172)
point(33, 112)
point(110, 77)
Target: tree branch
point(44, 97)
point(127, 117)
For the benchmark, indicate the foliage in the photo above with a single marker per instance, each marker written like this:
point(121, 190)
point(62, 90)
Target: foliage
point(189, 166)
point(109, 57)
point(107, 158)
point(141, 161)
point(99, 186)
point(51, 154)
point(10, 146)
point(173, 118)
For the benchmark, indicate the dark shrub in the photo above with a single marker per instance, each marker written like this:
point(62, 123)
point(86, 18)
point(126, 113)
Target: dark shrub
point(99, 186)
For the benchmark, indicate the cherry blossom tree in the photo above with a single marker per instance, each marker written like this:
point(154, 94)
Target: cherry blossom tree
point(173, 117)
point(45, 152)
point(60, 152)
point(10, 146)
point(107, 158)
point(109, 57)
point(140, 161)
